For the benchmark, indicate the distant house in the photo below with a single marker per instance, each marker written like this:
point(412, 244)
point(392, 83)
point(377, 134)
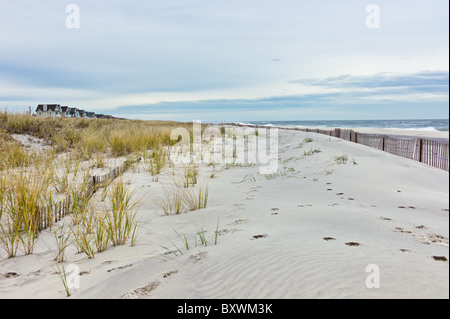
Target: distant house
point(82, 113)
point(49, 110)
point(56, 110)
point(64, 111)
point(73, 112)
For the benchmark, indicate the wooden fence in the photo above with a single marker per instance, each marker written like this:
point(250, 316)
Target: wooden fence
point(430, 151)
point(49, 215)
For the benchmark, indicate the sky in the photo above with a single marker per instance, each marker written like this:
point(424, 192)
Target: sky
point(228, 60)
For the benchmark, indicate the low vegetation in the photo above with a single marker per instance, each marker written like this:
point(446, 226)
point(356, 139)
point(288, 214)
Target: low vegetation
point(341, 160)
point(35, 184)
point(305, 141)
point(178, 198)
point(311, 152)
point(85, 138)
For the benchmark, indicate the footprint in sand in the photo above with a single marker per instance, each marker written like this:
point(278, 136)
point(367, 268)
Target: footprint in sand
point(197, 257)
point(170, 273)
point(420, 234)
point(259, 236)
point(141, 292)
point(238, 222)
point(401, 230)
point(118, 268)
point(226, 231)
point(10, 275)
point(440, 258)
point(353, 244)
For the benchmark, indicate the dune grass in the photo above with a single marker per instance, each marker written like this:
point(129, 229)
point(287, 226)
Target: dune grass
point(155, 160)
point(62, 241)
point(190, 175)
point(21, 195)
point(87, 137)
point(171, 203)
point(196, 198)
point(179, 199)
point(30, 182)
point(311, 152)
point(120, 219)
point(341, 160)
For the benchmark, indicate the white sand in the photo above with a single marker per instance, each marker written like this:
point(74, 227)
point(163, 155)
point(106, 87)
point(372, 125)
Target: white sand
point(290, 215)
point(31, 142)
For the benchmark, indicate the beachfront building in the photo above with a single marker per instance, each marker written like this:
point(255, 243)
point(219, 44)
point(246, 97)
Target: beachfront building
point(56, 110)
point(64, 111)
point(49, 110)
point(74, 112)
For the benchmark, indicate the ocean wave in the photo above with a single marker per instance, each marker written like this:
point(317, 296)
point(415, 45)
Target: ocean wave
point(422, 129)
point(242, 123)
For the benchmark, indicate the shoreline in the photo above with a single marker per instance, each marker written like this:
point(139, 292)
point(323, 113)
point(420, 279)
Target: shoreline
point(377, 131)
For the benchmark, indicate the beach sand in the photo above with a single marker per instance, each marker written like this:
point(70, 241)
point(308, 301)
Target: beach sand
point(310, 231)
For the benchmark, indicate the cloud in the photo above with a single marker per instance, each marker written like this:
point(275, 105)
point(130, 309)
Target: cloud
point(419, 80)
point(186, 56)
point(378, 93)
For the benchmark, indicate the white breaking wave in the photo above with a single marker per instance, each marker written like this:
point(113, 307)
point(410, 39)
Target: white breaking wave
point(423, 129)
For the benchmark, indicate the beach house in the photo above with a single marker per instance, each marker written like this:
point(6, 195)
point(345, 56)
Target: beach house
point(73, 112)
point(56, 110)
point(49, 110)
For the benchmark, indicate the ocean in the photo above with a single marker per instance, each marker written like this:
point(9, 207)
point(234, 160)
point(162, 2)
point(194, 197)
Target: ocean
point(418, 125)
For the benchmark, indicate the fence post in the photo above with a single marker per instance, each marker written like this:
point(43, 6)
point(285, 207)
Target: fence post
point(337, 132)
point(420, 150)
point(384, 143)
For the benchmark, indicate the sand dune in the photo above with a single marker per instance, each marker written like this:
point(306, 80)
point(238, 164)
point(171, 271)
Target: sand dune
point(309, 231)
